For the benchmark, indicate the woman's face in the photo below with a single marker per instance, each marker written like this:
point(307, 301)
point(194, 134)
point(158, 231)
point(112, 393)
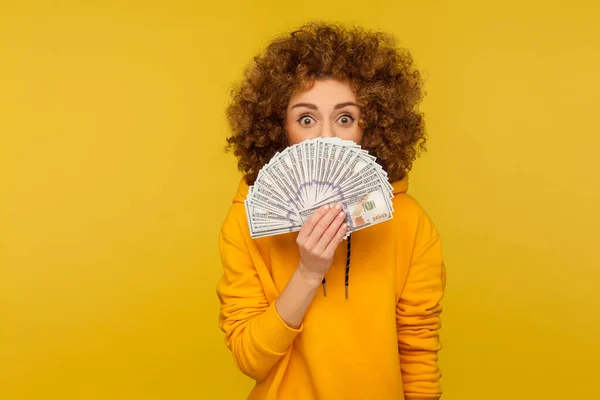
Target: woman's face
point(327, 109)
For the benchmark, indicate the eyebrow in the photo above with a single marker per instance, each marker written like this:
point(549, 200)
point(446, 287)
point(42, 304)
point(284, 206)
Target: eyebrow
point(342, 105)
point(314, 107)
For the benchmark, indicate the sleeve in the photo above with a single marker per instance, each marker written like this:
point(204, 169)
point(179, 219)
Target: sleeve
point(254, 331)
point(418, 321)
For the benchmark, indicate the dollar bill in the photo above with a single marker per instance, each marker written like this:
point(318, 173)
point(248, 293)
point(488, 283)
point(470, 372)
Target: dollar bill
point(301, 178)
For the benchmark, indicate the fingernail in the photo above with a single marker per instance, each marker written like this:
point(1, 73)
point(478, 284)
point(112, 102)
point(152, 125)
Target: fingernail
point(338, 206)
point(341, 214)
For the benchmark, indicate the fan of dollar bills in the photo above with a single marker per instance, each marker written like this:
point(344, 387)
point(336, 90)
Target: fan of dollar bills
point(308, 175)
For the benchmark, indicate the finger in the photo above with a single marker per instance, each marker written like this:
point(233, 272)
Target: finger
point(310, 223)
point(330, 232)
point(322, 225)
point(337, 239)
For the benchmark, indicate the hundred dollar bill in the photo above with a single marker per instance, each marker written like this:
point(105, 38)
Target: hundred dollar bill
point(351, 191)
point(275, 227)
point(264, 181)
point(364, 208)
point(303, 177)
point(363, 160)
point(298, 171)
point(364, 177)
point(259, 200)
point(277, 176)
point(290, 175)
point(331, 158)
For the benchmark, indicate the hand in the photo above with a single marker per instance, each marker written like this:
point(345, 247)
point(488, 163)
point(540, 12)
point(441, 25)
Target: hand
point(317, 240)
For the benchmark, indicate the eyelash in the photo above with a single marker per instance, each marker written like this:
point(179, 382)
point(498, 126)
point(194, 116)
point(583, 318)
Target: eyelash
point(302, 117)
point(352, 119)
point(309, 116)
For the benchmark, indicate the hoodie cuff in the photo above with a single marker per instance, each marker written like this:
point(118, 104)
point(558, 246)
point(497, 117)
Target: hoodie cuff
point(272, 333)
point(414, 396)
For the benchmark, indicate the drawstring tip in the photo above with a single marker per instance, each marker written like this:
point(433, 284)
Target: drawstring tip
point(346, 291)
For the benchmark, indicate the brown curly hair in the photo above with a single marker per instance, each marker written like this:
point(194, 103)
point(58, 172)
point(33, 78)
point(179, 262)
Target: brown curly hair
point(387, 86)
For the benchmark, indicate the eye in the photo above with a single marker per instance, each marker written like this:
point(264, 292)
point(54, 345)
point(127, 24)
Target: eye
point(305, 120)
point(345, 119)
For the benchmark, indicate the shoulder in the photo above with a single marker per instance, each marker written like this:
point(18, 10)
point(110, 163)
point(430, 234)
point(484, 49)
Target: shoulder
point(408, 204)
point(235, 223)
point(409, 215)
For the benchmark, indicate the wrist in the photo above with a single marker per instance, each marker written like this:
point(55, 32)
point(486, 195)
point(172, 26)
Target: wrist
point(313, 279)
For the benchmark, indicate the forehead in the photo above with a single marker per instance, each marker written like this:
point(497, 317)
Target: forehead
point(325, 92)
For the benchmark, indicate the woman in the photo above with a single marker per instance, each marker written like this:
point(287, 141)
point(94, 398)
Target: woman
point(297, 342)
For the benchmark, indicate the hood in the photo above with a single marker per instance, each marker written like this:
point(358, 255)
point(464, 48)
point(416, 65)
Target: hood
point(242, 191)
point(399, 186)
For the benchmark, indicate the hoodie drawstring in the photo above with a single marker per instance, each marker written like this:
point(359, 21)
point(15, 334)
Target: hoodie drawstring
point(348, 253)
point(347, 275)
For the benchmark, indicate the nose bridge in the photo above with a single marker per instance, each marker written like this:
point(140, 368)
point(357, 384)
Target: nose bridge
point(327, 130)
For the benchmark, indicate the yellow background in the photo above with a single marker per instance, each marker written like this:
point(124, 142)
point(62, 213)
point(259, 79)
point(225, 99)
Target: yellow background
point(114, 185)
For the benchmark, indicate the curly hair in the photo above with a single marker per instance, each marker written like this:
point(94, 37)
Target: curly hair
point(387, 85)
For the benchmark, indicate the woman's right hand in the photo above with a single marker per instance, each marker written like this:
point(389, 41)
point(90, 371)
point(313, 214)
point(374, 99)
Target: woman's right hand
point(318, 239)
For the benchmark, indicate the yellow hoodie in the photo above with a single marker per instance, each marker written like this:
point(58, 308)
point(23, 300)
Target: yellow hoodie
point(381, 343)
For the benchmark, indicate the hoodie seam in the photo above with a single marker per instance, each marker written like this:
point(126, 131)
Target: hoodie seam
point(415, 255)
point(423, 248)
point(233, 241)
